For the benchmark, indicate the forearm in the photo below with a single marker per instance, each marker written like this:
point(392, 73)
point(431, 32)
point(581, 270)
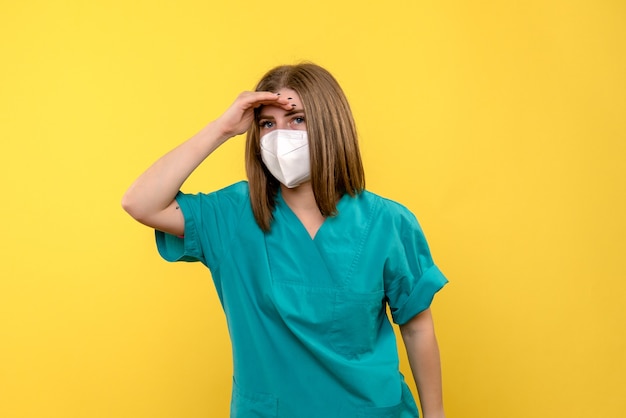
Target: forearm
point(157, 187)
point(150, 199)
point(423, 354)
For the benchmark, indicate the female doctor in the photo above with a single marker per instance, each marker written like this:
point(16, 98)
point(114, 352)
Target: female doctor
point(304, 259)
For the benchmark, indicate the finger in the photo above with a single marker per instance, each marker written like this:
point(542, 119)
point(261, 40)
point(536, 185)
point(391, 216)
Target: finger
point(256, 99)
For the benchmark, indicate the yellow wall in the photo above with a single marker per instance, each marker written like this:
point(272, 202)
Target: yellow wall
point(501, 124)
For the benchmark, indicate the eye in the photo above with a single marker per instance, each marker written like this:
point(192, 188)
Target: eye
point(266, 124)
point(298, 120)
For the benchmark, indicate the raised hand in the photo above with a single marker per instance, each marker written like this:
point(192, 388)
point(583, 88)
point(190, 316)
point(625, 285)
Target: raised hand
point(238, 118)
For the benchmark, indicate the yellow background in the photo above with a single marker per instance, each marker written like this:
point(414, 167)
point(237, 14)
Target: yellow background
point(501, 124)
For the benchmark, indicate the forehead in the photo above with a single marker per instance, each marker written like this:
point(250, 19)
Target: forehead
point(275, 111)
point(287, 92)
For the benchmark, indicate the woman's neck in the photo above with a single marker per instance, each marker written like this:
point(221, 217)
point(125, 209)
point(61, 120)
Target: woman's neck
point(302, 203)
point(300, 198)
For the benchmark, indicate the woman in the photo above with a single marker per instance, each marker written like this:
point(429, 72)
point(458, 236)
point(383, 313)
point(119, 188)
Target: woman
point(304, 260)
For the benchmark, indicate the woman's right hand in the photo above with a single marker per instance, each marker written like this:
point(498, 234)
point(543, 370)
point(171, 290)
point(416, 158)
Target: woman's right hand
point(238, 118)
point(151, 198)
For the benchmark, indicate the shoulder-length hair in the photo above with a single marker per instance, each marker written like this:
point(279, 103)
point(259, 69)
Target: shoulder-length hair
point(336, 166)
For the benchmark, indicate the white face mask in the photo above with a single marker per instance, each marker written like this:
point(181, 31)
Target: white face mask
point(285, 153)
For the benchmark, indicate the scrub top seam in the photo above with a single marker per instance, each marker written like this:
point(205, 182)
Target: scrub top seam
point(364, 236)
point(229, 245)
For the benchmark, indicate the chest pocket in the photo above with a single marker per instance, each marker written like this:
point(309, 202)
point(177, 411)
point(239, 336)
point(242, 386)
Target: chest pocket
point(345, 322)
point(357, 318)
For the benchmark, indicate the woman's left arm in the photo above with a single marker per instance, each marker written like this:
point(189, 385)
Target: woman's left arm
point(421, 345)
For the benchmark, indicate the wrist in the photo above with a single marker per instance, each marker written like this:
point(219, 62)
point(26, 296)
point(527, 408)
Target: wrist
point(212, 136)
point(217, 130)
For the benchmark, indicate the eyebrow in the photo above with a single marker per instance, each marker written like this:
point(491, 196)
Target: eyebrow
point(289, 113)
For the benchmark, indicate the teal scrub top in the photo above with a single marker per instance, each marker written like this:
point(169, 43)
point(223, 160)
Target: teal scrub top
point(307, 317)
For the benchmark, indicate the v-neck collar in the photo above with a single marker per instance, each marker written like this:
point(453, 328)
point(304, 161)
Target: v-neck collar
point(338, 244)
point(293, 219)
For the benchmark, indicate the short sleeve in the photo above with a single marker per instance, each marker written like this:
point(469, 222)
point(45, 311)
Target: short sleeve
point(210, 220)
point(411, 277)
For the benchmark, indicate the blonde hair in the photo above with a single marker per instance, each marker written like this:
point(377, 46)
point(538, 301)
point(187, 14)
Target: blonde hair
point(336, 166)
